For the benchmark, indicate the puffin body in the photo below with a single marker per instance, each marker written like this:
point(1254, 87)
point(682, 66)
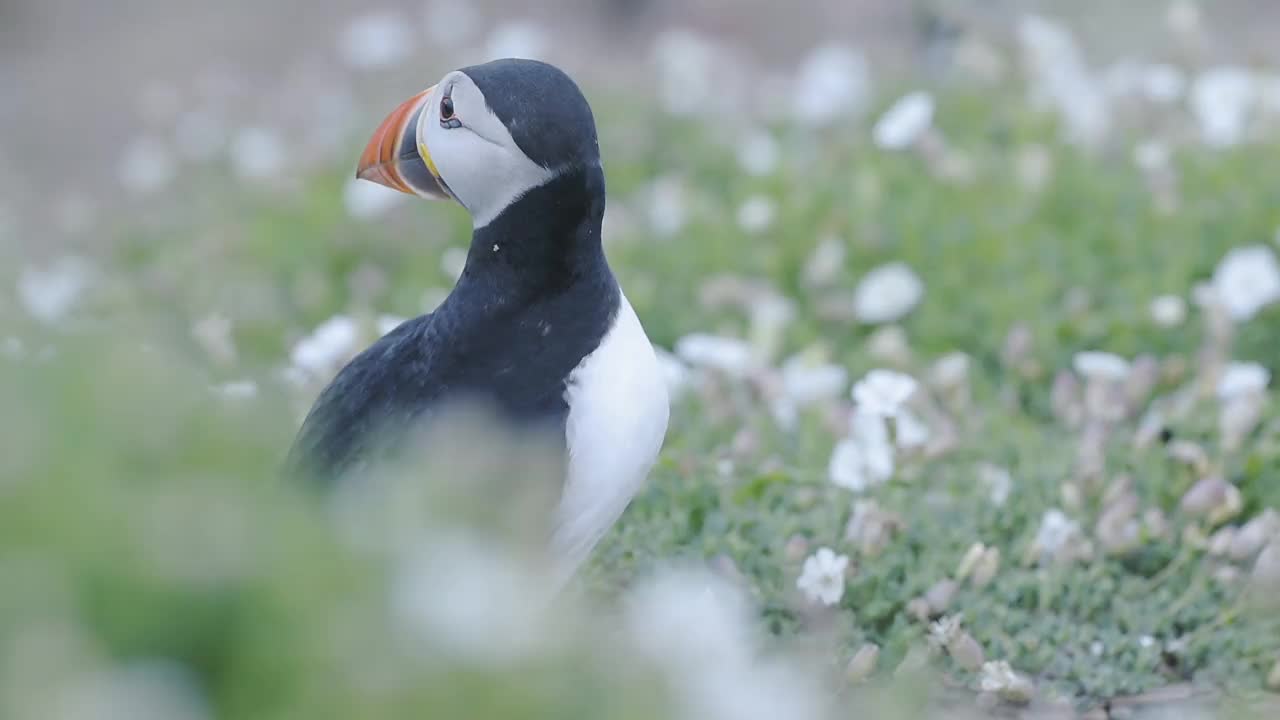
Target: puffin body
point(537, 325)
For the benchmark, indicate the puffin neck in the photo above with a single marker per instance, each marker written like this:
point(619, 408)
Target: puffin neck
point(543, 241)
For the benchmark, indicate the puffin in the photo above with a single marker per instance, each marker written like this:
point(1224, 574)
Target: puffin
point(537, 326)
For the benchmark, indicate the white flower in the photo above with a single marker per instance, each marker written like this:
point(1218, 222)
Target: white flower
point(1247, 280)
point(998, 482)
point(833, 81)
point(1242, 380)
point(1100, 366)
point(944, 630)
point(1061, 79)
point(951, 370)
point(481, 616)
point(1163, 83)
point(329, 344)
point(1168, 311)
point(698, 629)
point(376, 40)
point(806, 382)
point(756, 214)
point(387, 323)
point(367, 200)
point(691, 618)
point(904, 122)
point(674, 373)
point(48, 294)
point(771, 314)
point(257, 153)
point(1056, 531)
point(822, 579)
point(146, 166)
point(1151, 156)
point(732, 356)
point(865, 458)
point(825, 263)
point(758, 153)
point(1222, 99)
point(667, 208)
point(887, 293)
point(685, 63)
point(998, 677)
point(883, 393)
point(517, 39)
point(909, 431)
point(847, 467)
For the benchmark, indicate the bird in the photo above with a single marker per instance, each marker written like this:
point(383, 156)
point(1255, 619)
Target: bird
point(537, 324)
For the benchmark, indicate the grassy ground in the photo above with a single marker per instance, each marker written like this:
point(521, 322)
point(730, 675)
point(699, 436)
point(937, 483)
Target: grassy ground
point(145, 546)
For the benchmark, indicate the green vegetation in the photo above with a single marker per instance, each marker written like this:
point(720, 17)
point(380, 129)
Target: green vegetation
point(141, 520)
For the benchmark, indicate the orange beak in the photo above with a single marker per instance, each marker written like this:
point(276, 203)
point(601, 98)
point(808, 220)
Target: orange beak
point(396, 159)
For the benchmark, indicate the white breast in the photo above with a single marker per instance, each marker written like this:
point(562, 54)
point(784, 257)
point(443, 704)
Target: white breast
point(618, 412)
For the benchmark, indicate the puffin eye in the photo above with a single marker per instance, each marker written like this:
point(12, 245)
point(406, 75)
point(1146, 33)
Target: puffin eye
point(448, 119)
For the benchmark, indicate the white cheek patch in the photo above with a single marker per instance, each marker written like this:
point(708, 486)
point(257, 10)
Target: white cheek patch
point(480, 162)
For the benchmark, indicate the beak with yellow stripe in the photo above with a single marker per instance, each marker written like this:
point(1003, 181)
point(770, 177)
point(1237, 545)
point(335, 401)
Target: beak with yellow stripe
point(397, 159)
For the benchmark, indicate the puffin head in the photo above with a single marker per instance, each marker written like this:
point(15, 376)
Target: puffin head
point(484, 136)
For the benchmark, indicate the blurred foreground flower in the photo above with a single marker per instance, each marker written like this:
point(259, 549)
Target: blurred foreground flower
point(731, 356)
point(470, 600)
point(1222, 99)
point(329, 345)
point(1061, 80)
point(904, 122)
point(883, 393)
point(756, 214)
point(674, 372)
point(1168, 311)
point(49, 293)
point(822, 579)
point(887, 293)
point(1247, 280)
point(807, 381)
point(1094, 365)
point(833, 81)
point(699, 630)
point(865, 458)
point(1242, 380)
point(366, 200)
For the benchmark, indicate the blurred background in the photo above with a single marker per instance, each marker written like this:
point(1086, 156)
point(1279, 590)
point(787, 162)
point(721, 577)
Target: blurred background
point(1040, 236)
point(93, 91)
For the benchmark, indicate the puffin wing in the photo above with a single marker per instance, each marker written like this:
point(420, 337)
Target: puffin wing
point(379, 391)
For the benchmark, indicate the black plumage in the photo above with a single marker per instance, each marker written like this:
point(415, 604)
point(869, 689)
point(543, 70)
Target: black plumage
point(519, 320)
